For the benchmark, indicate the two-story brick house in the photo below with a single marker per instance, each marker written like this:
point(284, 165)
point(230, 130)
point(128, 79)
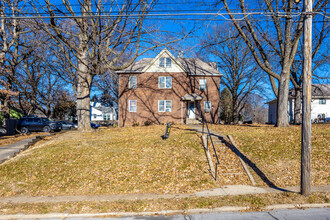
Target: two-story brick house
point(168, 89)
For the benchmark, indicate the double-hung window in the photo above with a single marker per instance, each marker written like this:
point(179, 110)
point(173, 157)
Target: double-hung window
point(106, 117)
point(207, 106)
point(165, 82)
point(165, 62)
point(202, 84)
point(322, 101)
point(164, 105)
point(132, 82)
point(132, 105)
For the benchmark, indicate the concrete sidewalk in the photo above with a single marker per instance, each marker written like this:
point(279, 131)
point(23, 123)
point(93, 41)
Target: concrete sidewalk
point(9, 151)
point(222, 191)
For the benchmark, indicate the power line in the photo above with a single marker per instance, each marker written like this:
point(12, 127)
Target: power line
point(152, 15)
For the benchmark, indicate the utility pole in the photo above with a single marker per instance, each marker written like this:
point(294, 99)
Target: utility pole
point(306, 129)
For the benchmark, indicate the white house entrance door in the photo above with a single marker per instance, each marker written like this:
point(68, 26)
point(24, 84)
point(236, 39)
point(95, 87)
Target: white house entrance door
point(191, 110)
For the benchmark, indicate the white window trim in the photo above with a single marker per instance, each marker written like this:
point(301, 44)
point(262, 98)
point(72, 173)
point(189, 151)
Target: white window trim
point(201, 84)
point(164, 82)
point(207, 109)
point(165, 105)
point(160, 61)
point(168, 64)
point(165, 63)
point(129, 105)
point(129, 82)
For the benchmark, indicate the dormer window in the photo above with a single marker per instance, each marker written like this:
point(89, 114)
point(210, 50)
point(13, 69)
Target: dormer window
point(165, 62)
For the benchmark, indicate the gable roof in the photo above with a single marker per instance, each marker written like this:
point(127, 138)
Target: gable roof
point(105, 110)
point(193, 66)
point(318, 91)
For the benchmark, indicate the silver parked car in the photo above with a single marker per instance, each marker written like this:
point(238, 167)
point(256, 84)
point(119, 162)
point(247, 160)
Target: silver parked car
point(67, 125)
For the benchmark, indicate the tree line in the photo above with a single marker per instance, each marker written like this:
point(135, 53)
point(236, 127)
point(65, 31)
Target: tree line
point(52, 61)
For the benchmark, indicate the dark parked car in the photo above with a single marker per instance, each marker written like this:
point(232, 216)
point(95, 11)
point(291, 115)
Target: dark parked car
point(67, 125)
point(93, 125)
point(27, 124)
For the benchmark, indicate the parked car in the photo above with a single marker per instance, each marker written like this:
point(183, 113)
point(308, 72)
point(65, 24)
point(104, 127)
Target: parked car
point(27, 124)
point(95, 126)
point(67, 125)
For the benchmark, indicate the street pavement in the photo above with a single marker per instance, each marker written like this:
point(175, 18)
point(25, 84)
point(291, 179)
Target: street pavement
point(281, 214)
point(287, 214)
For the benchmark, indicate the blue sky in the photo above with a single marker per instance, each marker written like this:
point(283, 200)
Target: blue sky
point(201, 24)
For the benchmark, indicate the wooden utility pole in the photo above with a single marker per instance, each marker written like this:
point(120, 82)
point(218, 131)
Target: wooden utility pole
point(306, 129)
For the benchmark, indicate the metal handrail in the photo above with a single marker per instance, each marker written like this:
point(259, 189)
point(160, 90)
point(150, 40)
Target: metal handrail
point(210, 136)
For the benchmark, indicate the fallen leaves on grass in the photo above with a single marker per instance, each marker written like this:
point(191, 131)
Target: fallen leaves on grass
point(276, 151)
point(110, 161)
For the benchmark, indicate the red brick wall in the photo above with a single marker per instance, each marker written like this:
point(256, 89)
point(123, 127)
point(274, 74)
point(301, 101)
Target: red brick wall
point(147, 95)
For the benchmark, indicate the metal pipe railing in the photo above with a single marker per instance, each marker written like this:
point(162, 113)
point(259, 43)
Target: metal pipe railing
point(209, 135)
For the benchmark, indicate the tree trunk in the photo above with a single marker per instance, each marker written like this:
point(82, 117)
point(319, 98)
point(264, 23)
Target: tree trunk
point(282, 100)
point(83, 89)
point(297, 107)
point(234, 109)
point(83, 102)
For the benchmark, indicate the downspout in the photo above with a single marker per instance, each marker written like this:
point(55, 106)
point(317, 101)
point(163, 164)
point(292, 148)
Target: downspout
point(181, 112)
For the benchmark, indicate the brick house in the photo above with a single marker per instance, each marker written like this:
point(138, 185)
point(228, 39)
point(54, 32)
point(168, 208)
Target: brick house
point(168, 89)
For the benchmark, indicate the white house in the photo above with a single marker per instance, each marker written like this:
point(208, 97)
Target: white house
point(99, 113)
point(320, 104)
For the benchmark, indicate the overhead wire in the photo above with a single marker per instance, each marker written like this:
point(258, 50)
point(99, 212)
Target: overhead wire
point(175, 13)
point(158, 14)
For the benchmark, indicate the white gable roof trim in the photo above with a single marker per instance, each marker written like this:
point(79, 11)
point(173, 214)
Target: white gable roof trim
point(161, 54)
point(193, 66)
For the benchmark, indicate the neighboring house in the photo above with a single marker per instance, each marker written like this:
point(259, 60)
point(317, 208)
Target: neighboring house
point(100, 113)
point(168, 89)
point(320, 104)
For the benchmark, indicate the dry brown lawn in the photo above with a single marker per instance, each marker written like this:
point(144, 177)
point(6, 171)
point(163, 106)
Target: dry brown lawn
point(276, 151)
point(110, 161)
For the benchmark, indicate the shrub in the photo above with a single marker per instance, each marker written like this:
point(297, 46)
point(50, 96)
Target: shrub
point(148, 122)
point(135, 124)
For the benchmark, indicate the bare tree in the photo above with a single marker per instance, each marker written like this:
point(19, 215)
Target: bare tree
point(11, 44)
point(320, 56)
point(279, 36)
point(255, 109)
point(97, 35)
point(241, 74)
point(108, 84)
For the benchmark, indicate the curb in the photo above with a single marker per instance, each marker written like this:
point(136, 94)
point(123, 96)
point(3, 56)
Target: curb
point(163, 212)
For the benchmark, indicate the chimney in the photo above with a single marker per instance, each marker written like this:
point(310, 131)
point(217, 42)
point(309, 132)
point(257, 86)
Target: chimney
point(181, 54)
